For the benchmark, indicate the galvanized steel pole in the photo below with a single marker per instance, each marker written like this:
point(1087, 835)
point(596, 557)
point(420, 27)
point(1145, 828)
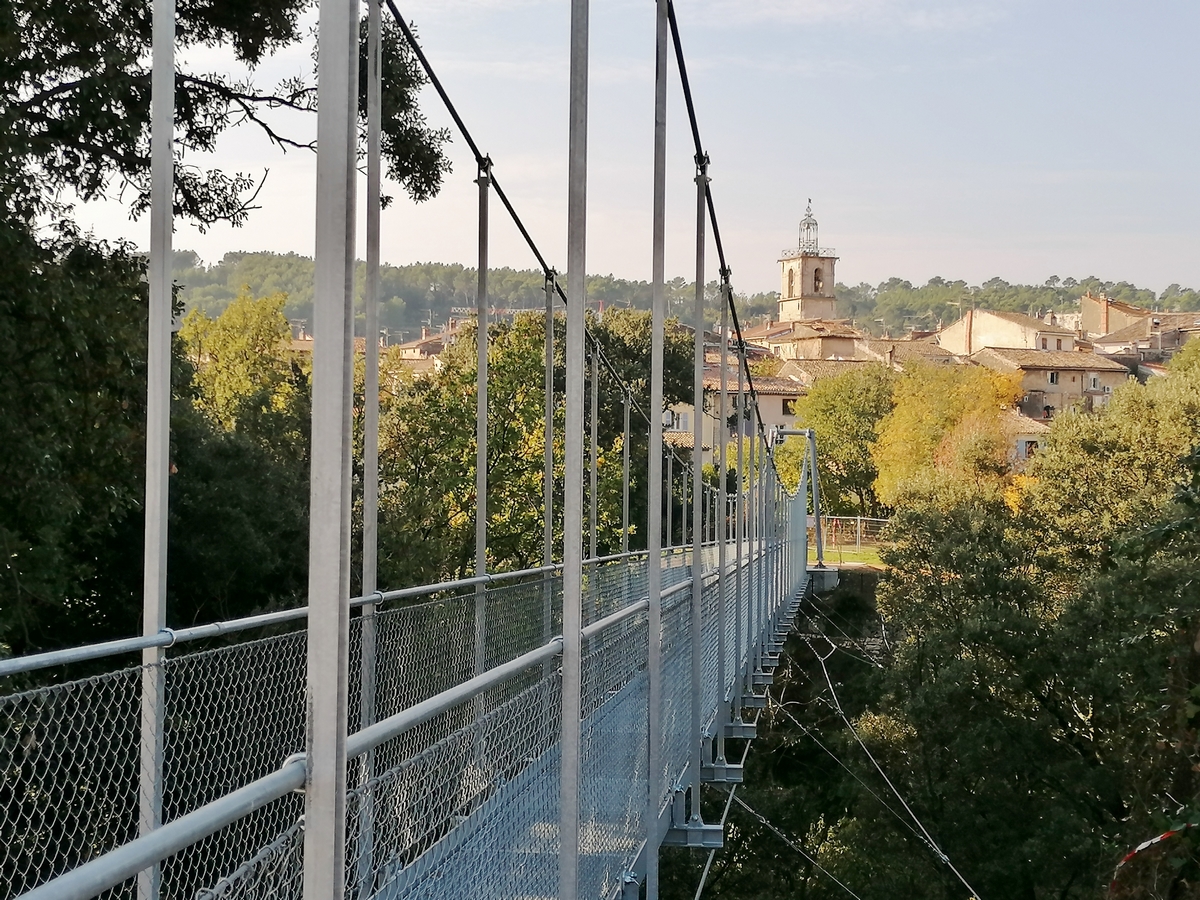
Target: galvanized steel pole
point(739, 534)
point(484, 180)
point(816, 495)
point(568, 825)
point(658, 303)
point(670, 499)
point(697, 612)
point(370, 514)
point(594, 459)
point(625, 481)
point(548, 466)
point(722, 468)
point(329, 568)
point(158, 429)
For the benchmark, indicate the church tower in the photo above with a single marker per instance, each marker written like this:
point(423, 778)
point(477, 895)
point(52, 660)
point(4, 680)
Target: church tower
point(806, 276)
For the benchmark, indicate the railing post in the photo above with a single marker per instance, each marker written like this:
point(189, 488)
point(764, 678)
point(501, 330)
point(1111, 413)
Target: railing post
point(484, 180)
point(722, 468)
point(332, 382)
point(548, 471)
point(741, 606)
point(568, 825)
point(370, 514)
point(697, 618)
point(816, 495)
point(670, 499)
point(654, 765)
point(625, 481)
point(594, 459)
point(158, 431)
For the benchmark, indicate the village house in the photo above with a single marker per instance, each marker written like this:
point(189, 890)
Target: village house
point(980, 328)
point(1054, 380)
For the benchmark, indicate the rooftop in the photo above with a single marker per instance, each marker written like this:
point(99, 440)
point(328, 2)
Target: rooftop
point(1013, 359)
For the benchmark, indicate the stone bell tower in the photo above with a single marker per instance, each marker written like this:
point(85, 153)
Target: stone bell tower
point(806, 276)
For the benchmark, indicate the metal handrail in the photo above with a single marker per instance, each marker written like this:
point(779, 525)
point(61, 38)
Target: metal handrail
point(169, 637)
point(110, 869)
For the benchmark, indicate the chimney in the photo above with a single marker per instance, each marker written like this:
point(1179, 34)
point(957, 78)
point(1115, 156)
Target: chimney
point(424, 332)
point(969, 322)
point(1104, 315)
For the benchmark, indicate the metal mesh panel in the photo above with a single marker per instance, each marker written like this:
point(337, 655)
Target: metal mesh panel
point(613, 755)
point(676, 688)
point(68, 776)
point(473, 814)
point(233, 715)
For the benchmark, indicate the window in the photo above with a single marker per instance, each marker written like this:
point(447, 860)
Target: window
point(791, 282)
point(818, 281)
point(1045, 344)
point(1058, 343)
point(682, 421)
point(1054, 378)
point(1095, 382)
point(789, 406)
point(1030, 449)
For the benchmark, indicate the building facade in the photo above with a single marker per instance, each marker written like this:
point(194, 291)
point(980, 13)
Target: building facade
point(807, 277)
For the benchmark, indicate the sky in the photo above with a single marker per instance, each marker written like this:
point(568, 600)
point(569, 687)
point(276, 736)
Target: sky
point(1013, 138)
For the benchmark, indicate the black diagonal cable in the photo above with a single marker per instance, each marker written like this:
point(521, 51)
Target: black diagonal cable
point(480, 159)
point(702, 160)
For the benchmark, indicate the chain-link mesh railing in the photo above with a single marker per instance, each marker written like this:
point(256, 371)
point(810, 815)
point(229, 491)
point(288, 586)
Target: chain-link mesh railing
point(463, 804)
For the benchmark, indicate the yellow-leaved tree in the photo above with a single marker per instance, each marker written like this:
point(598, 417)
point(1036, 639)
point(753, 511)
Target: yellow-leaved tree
point(946, 420)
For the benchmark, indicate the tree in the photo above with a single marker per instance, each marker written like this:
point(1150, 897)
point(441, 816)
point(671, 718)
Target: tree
point(75, 107)
point(945, 418)
point(846, 412)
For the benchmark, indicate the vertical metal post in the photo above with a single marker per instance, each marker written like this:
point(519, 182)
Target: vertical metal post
point(370, 514)
point(568, 825)
point(329, 562)
point(858, 532)
point(697, 618)
point(158, 430)
point(625, 481)
point(484, 180)
point(658, 303)
point(594, 443)
point(548, 468)
point(722, 467)
point(753, 645)
point(816, 495)
point(670, 499)
point(739, 533)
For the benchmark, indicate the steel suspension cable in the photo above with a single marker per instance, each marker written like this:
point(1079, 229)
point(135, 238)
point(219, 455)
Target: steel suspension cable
point(480, 159)
point(929, 837)
point(702, 157)
point(787, 840)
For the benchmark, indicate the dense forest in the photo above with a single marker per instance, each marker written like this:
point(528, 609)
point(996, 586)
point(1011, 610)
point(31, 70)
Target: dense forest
point(431, 293)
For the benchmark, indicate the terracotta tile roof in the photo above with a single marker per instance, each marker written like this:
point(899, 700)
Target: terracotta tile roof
point(682, 440)
point(810, 370)
point(1014, 423)
point(776, 386)
point(1144, 327)
point(904, 350)
point(1011, 360)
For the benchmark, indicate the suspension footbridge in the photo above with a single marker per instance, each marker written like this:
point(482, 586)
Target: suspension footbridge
point(530, 734)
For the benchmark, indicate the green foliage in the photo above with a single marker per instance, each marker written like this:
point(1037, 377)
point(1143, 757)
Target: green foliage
point(72, 398)
point(894, 306)
point(944, 419)
point(427, 447)
point(847, 412)
point(242, 369)
point(75, 104)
